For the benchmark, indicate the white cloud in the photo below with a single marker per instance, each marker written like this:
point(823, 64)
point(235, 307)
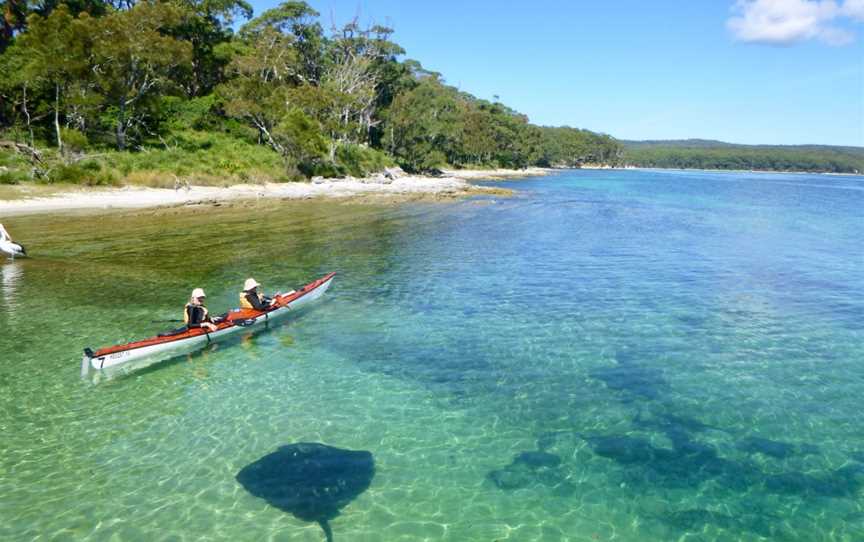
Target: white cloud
point(781, 22)
point(854, 9)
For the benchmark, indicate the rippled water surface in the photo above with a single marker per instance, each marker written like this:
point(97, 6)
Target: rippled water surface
point(608, 355)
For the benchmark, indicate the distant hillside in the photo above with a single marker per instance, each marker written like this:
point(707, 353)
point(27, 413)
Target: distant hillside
point(708, 154)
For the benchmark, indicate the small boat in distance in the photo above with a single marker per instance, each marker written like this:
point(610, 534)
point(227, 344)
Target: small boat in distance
point(8, 246)
point(139, 354)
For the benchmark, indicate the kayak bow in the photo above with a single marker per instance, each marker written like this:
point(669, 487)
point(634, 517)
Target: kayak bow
point(169, 345)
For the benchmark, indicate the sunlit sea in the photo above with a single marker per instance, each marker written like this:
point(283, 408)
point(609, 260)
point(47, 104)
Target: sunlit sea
point(605, 355)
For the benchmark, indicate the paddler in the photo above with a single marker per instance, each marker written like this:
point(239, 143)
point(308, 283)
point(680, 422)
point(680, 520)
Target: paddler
point(251, 298)
point(195, 314)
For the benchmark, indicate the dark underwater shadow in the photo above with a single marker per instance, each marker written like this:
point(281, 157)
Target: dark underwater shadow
point(538, 468)
point(637, 378)
point(309, 480)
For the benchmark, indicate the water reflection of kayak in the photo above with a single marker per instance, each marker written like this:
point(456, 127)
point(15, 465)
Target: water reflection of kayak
point(187, 340)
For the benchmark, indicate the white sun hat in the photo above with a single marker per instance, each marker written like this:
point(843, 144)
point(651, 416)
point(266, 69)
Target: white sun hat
point(249, 284)
point(198, 292)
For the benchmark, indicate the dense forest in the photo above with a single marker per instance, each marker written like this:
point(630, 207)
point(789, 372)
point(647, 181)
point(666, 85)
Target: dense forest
point(110, 91)
point(705, 154)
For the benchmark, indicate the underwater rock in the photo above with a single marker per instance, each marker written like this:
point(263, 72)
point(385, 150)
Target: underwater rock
point(527, 468)
point(772, 448)
point(844, 482)
point(309, 480)
point(623, 449)
point(690, 424)
point(547, 440)
point(561, 443)
point(511, 477)
point(808, 449)
point(633, 379)
point(793, 482)
point(689, 464)
point(536, 460)
point(565, 488)
point(687, 447)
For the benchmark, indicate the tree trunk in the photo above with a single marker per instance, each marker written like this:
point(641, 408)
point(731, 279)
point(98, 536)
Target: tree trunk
point(57, 116)
point(121, 126)
point(27, 114)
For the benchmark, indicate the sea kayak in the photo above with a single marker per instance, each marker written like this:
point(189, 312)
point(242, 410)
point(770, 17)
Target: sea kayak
point(183, 341)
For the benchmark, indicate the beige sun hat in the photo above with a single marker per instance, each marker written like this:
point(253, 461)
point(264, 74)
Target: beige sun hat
point(249, 284)
point(198, 292)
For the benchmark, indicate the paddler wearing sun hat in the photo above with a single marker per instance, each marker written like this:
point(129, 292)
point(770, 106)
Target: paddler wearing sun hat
point(251, 298)
point(195, 314)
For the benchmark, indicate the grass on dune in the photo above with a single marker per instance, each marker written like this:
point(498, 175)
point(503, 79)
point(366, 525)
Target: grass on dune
point(186, 157)
point(190, 157)
point(199, 158)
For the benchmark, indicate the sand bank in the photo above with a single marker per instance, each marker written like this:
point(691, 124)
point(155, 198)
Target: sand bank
point(496, 174)
point(378, 186)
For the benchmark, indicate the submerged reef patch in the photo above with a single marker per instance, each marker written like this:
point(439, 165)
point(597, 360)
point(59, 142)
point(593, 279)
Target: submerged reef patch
point(632, 376)
point(533, 468)
point(772, 448)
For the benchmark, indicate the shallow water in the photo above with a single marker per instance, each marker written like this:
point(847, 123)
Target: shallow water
point(627, 355)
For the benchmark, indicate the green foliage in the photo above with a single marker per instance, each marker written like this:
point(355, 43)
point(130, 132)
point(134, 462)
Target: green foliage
point(88, 173)
point(423, 126)
point(360, 161)
point(136, 58)
point(211, 155)
point(700, 154)
point(14, 168)
point(74, 140)
point(176, 91)
point(178, 114)
point(572, 147)
point(9, 177)
point(433, 124)
point(300, 139)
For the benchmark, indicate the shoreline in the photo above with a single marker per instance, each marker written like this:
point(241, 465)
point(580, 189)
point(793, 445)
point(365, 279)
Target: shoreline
point(775, 171)
point(375, 188)
point(499, 174)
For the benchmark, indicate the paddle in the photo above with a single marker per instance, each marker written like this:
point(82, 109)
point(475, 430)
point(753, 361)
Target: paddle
point(167, 321)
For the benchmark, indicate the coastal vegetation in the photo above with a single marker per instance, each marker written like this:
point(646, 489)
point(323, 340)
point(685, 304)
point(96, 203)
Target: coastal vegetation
point(705, 154)
point(164, 92)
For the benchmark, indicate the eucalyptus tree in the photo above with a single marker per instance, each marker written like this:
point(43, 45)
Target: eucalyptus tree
point(299, 21)
point(206, 26)
point(272, 84)
point(14, 14)
point(53, 54)
point(264, 66)
point(358, 58)
point(423, 125)
point(134, 58)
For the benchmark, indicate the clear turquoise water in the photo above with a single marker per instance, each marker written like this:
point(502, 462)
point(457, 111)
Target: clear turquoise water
point(685, 348)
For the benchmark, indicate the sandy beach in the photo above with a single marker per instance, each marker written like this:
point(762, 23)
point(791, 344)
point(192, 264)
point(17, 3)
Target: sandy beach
point(497, 174)
point(454, 183)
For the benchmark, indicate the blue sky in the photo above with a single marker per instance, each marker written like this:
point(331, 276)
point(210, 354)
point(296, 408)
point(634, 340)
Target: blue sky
point(750, 71)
